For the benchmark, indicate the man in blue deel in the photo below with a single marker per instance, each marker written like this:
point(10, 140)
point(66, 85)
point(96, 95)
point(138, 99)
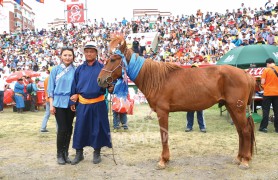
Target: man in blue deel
point(92, 125)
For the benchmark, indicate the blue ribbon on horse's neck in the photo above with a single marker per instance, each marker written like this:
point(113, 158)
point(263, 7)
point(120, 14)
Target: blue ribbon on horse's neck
point(132, 69)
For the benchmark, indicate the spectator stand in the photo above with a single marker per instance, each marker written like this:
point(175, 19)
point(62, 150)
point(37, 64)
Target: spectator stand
point(179, 38)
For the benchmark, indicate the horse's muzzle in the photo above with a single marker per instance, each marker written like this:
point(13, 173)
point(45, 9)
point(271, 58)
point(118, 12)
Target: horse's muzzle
point(101, 83)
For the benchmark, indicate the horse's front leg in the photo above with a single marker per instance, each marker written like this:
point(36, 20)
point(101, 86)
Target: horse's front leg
point(163, 123)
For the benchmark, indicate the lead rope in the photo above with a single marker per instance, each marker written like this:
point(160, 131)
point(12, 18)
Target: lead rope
point(110, 112)
point(113, 153)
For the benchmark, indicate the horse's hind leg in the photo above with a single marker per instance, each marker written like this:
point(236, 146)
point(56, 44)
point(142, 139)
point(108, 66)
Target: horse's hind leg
point(163, 123)
point(244, 130)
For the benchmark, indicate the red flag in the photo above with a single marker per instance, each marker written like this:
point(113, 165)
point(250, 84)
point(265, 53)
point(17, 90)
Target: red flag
point(75, 13)
point(1, 2)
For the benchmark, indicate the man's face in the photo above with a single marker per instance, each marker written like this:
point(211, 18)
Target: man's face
point(90, 54)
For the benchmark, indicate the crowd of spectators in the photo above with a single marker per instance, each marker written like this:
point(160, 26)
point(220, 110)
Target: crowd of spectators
point(201, 38)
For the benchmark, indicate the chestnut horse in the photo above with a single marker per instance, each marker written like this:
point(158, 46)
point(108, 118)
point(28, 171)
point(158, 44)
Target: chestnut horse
point(170, 88)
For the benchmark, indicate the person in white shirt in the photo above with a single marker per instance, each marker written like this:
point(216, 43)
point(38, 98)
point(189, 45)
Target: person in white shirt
point(142, 44)
point(229, 44)
point(129, 42)
point(7, 70)
point(43, 62)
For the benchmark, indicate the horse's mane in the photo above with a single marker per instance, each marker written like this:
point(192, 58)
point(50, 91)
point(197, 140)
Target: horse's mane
point(153, 73)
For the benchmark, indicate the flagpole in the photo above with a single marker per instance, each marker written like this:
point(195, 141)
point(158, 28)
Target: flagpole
point(65, 17)
point(86, 12)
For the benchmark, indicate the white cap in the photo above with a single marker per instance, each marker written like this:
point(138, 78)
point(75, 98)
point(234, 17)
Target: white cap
point(90, 45)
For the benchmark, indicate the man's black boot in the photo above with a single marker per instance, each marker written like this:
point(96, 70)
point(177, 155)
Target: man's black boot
point(97, 158)
point(78, 157)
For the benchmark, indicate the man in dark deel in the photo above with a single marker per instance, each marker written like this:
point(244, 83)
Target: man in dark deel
point(92, 125)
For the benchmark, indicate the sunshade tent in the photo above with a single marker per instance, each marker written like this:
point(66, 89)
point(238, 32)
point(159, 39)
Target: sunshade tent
point(246, 56)
point(18, 74)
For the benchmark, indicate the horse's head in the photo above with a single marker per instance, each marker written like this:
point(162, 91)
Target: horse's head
point(112, 70)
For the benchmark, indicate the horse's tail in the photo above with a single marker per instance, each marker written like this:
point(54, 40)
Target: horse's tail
point(252, 83)
point(252, 129)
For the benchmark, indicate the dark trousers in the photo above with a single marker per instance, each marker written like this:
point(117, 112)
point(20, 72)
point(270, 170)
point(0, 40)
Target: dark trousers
point(64, 118)
point(136, 49)
point(267, 101)
point(200, 118)
point(33, 103)
point(1, 100)
point(119, 118)
point(254, 106)
point(142, 49)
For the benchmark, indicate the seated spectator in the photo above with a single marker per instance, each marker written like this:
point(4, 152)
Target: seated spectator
point(237, 42)
point(245, 42)
point(270, 39)
point(198, 58)
point(260, 40)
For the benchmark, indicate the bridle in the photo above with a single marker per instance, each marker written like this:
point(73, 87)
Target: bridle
point(109, 80)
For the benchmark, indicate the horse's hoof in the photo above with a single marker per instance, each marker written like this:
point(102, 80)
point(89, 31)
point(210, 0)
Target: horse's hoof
point(243, 166)
point(236, 161)
point(161, 165)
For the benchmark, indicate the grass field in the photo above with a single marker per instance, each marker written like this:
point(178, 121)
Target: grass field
point(28, 154)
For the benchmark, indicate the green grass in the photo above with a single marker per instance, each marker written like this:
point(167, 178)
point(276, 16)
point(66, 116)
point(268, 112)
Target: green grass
point(140, 147)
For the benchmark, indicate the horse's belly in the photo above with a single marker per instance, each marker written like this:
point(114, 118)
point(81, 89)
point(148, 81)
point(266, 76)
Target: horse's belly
point(192, 104)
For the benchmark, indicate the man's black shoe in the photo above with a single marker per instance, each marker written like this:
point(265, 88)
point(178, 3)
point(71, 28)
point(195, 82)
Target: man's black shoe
point(263, 130)
point(44, 130)
point(96, 157)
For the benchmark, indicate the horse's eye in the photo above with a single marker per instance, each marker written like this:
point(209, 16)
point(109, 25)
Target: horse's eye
point(112, 60)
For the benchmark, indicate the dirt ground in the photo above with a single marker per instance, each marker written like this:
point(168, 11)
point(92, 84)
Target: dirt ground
point(25, 153)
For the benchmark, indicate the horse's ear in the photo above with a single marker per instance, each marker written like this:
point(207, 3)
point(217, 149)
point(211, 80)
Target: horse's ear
point(118, 42)
point(122, 45)
point(122, 42)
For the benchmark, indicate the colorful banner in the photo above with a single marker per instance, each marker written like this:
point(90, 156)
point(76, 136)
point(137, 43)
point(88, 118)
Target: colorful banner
point(75, 13)
point(257, 72)
point(40, 1)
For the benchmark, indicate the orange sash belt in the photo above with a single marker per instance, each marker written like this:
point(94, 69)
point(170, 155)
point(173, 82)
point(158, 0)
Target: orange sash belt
point(90, 101)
